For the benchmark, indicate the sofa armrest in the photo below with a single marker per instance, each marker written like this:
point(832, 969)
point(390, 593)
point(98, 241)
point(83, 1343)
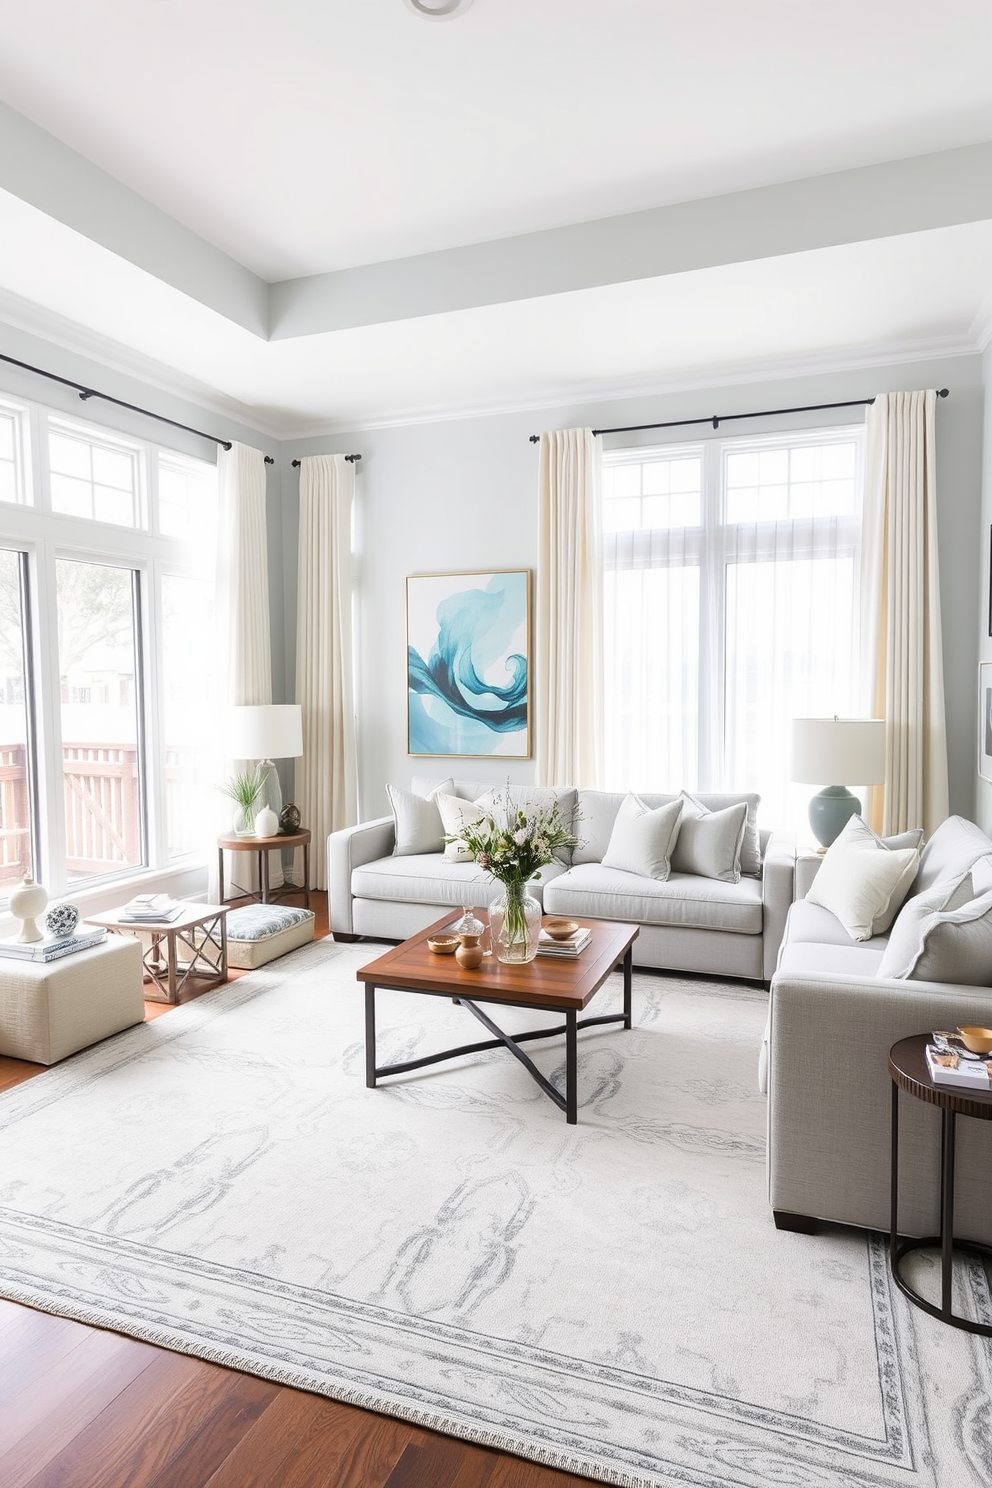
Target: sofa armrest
point(778, 878)
point(348, 849)
point(808, 862)
point(829, 1101)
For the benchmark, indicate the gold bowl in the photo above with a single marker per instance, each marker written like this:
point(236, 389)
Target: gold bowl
point(978, 1040)
point(561, 929)
point(442, 945)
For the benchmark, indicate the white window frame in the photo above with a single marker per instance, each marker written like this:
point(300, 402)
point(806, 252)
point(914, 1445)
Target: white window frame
point(711, 546)
point(31, 526)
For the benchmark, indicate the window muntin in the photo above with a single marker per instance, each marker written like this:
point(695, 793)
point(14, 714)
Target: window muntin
point(701, 689)
point(658, 492)
point(101, 758)
point(94, 476)
point(16, 782)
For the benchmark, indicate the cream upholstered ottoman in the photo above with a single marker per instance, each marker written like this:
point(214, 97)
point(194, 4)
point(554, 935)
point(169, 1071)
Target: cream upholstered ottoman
point(260, 932)
point(51, 1009)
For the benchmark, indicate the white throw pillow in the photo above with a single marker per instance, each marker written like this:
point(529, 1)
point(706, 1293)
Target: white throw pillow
point(456, 815)
point(709, 842)
point(941, 945)
point(417, 821)
point(642, 840)
point(862, 881)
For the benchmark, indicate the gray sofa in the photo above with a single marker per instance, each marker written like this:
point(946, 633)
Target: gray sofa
point(832, 1021)
point(687, 923)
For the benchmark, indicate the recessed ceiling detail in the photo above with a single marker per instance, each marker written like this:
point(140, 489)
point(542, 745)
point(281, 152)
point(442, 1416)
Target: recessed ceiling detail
point(438, 10)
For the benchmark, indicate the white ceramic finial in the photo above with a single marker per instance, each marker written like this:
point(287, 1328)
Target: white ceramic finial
point(26, 903)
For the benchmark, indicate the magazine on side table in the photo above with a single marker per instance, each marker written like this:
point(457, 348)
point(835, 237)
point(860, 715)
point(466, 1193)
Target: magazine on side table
point(950, 1063)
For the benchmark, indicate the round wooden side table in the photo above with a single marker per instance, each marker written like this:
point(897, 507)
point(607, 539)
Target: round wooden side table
point(909, 1071)
point(263, 846)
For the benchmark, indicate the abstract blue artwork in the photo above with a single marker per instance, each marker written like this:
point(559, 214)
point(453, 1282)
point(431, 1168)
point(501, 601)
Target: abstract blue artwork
point(468, 664)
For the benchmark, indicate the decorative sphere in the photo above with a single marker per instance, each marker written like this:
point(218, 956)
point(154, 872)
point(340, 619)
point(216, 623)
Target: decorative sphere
point(61, 919)
point(289, 818)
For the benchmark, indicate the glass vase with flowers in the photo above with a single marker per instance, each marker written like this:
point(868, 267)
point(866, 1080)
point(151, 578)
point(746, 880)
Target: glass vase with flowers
point(513, 845)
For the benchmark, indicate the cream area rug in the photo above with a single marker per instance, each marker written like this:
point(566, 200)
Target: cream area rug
point(611, 1298)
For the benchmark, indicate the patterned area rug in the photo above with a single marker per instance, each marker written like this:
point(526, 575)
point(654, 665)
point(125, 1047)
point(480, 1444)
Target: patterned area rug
point(610, 1298)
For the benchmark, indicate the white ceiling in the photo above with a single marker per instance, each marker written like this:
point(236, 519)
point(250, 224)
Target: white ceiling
point(309, 136)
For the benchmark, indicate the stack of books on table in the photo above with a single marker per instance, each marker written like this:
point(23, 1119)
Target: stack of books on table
point(150, 909)
point(950, 1063)
point(51, 949)
point(546, 946)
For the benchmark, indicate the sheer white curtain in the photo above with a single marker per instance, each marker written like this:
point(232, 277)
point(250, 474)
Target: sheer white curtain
point(242, 581)
point(902, 658)
point(731, 608)
point(569, 693)
point(326, 776)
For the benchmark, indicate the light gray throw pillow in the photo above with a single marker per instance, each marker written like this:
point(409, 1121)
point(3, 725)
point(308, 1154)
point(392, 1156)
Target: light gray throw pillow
point(709, 842)
point(941, 945)
point(417, 821)
point(642, 839)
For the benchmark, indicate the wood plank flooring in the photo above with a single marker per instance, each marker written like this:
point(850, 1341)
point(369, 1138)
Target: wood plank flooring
point(81, 1407)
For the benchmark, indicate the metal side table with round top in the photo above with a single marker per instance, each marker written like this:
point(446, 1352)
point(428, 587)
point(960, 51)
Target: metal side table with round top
point(909, 1071)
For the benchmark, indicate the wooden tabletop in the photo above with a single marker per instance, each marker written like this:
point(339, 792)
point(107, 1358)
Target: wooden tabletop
point(547, 981)
point(230, 843)
point(908, 1068)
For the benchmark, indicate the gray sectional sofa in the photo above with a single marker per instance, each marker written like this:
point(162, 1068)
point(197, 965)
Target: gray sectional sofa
point(688, 922)
point(832, 1022)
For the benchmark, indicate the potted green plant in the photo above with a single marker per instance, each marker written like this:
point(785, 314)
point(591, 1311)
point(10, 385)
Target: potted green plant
point(245, 789)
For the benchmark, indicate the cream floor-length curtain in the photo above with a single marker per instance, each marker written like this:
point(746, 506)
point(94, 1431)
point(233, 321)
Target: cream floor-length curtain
point(900, 611)
point(569, 693)
point(327, 775)
point(242, 593)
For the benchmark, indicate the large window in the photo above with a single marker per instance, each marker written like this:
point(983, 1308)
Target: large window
point(731, 608)
point(105, 650)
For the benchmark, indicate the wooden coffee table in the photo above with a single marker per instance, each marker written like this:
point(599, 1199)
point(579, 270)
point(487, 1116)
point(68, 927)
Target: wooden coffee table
point(558, 983)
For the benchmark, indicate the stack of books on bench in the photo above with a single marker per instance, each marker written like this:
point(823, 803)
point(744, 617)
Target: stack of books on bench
point(156, 909)
point(52, 949)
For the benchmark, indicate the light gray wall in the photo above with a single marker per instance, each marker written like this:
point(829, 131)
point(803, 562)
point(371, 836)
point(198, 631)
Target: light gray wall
point(462, 495)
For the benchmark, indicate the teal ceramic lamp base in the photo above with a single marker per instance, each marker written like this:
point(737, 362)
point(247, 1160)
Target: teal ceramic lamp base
point(830, 811)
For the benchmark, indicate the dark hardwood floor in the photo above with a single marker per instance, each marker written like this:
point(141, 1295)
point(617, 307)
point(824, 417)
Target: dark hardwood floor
point(81, 1407)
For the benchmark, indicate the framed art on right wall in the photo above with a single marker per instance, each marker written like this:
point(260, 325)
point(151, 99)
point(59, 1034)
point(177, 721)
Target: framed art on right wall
point(985, 720)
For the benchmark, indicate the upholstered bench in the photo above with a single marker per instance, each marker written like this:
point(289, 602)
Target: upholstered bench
point(51, 1009)
point(258, 933)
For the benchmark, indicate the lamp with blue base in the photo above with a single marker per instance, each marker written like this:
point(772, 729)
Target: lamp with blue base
point(851, 750)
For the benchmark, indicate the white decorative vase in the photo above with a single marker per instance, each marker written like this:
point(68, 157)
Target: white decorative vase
point(26, 903)
point(266, 823)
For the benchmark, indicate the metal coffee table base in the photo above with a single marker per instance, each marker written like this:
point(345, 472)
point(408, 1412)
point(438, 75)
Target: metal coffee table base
point(567, 1102)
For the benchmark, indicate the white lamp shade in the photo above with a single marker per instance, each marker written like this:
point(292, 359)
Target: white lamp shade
point(265, 731)
point(838, 751)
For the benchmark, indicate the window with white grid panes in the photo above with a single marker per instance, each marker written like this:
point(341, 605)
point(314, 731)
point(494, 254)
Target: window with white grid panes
point(108, 721)
point(731, 596)
point(94, 476)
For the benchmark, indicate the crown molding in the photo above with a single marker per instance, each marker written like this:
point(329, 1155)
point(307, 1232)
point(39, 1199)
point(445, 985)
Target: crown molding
point(727, 376)
point(22, 315)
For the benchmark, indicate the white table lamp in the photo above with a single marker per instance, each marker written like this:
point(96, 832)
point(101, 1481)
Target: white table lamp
point(848, 751)
point(266, 732)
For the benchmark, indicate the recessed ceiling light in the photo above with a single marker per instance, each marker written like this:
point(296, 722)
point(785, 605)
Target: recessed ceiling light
point(438, 10)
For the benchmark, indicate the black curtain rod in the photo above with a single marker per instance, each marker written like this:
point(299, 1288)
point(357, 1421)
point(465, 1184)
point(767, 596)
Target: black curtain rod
point(352, 460)
point(88, 392)
point(717, 419)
